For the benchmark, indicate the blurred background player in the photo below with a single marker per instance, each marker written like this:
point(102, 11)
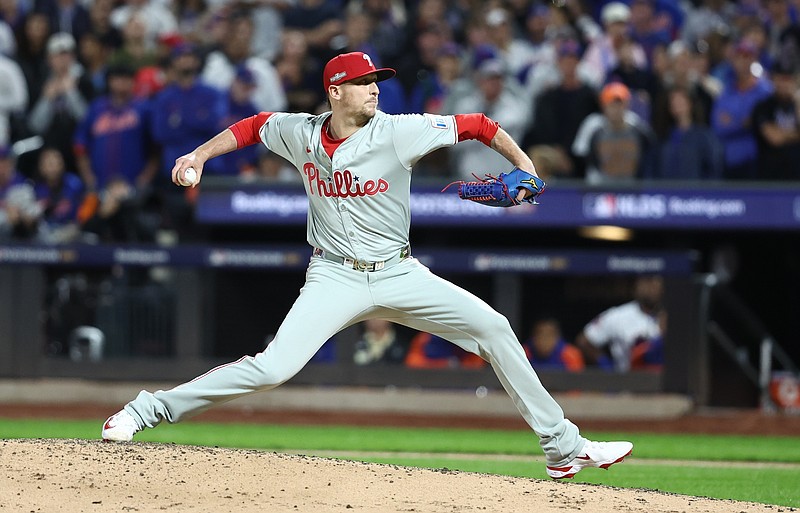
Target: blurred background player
point(630, 335)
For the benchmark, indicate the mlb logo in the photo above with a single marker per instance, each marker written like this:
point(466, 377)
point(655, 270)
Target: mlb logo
point(599, 206)
point(439, 122)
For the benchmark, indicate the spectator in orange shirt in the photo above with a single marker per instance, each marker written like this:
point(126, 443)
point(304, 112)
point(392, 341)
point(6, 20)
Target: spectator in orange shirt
point(431, 352)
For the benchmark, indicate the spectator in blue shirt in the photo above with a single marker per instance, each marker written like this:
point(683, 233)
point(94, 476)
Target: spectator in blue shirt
point(690, 150)
point(59, 195)
point(239, 106)
point(185, 113)
point(113, 140)
point(731, 116)
point(777, 122)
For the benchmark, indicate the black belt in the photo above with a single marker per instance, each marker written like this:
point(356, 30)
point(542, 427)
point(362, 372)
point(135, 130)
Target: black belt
point(363, 265)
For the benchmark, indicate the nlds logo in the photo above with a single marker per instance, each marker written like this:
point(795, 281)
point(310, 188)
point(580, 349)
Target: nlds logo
point(630, 206)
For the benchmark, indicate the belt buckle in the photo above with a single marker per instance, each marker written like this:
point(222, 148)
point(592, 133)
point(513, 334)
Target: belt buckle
point(360, 265)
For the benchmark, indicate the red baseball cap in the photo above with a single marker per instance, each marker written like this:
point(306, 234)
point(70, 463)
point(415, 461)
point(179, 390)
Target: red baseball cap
point(349, 66)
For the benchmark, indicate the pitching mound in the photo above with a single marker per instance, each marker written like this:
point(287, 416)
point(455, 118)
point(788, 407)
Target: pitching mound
point(88, 476)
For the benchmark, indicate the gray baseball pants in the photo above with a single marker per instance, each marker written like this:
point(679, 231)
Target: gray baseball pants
point(408, 293)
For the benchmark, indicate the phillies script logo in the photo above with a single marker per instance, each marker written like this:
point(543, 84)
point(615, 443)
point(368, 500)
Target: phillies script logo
point(342, 184)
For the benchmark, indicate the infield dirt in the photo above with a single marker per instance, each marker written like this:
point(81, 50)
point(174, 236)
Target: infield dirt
point(91, 476)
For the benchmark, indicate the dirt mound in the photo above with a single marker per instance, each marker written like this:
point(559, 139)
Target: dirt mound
point(91, 476)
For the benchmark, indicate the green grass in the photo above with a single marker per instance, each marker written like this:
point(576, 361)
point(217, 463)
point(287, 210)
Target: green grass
point(768, 485)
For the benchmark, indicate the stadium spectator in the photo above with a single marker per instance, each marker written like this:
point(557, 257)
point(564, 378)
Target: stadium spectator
point(14, 13)
point(429, 94)
point(731, 117)
point(8, 174)
point(119, 215)
point(13, 96)
point(648, 28)
point(642, 82)
point(380, 342)
point(299, 74)
point(777, 123)
point(617, 144)
point(19, 212)
point(690, 150)
point(21, 215)
point(68, 16)
point(358, 30)
point(184, 114)
point(497, 96)
point(561, 109)
point(8, 43)
point(32, 54)
point(434, 13)
point(64, 99)
point(629, 335)
point(571, 19)
point(156, 17)
point(135, 49)
point(543, 52)
point(93, 54)
point(683, 69)
point(432, 352)
point(194, 19)
point(357, 35)
point(417, 64)
point(9, 177)
point(113, 140)
point(389, 18)
point(59, 195)
point(268, 20)
point(602, 55)
point(547, 349)
point(516, 53)
point(239, 106)
point(783, 32)
point(709, 17)
point(320, 21)
point(100, 16)
point(220, 66)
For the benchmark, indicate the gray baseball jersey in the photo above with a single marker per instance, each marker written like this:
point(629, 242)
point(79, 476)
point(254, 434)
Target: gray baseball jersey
point(359, 210)
point(359, 200)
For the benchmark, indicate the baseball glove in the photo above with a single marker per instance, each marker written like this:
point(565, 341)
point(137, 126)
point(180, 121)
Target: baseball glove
point(501, 191)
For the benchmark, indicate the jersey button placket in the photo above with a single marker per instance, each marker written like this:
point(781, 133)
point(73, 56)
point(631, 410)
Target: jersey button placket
point(350, 230)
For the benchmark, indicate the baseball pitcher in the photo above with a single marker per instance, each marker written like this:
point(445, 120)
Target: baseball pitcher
point(356, 164)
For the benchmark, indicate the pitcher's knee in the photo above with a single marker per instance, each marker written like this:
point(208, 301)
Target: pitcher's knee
point(493, 326)
point(269, 374)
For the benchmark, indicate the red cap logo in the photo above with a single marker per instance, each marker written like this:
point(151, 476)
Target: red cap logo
point(350, 66)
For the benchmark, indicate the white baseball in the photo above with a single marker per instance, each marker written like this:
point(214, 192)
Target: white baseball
point(189, 177)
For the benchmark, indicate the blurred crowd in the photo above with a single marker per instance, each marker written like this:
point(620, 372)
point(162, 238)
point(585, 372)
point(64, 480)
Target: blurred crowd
point(98, 97)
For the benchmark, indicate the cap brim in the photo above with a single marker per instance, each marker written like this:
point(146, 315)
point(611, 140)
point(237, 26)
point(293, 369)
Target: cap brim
point(382, 73)
point(385, 74)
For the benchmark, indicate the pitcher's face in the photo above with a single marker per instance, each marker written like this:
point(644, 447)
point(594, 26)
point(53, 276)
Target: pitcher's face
point(358, 98)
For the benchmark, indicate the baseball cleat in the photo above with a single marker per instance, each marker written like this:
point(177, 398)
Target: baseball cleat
point(594, 454)
point(120, 427)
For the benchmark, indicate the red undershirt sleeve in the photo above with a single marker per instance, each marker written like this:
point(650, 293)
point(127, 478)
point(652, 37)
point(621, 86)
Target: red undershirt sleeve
point(246, 130)
point(476, 126)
